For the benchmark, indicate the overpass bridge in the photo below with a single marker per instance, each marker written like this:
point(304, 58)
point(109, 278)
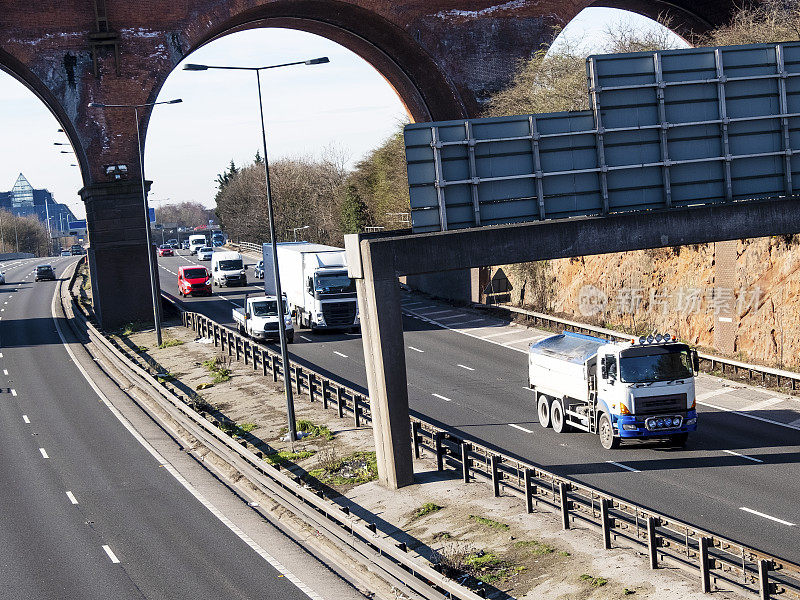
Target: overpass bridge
point(443, 60)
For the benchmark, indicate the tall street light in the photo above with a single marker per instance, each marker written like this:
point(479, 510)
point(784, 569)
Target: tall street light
point(296, 229)
point(287, 378)
point(153, 287)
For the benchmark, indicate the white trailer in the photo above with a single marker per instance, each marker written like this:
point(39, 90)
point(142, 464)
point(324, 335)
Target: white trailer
point(315, 281)
point(618, 390)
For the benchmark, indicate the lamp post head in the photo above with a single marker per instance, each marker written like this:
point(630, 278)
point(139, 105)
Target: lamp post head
point(176, 101)
point(96, 105)
point(318, 61)
point(193, 67)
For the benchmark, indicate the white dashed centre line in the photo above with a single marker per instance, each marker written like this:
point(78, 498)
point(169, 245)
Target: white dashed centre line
point(26, 419)
point(743, 456)
point(415, 349)
point(71, 497)
point(766, 516)
point(340, 354)
point(111, 554)
point(44, 453)
point(13, 392)
point(441, 397)
point(621, 466)
point(520, 427)
point(5, 371)
point(466, 367)
point(305, 338)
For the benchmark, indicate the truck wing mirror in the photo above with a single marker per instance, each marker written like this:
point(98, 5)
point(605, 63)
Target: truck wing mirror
point(695, 361)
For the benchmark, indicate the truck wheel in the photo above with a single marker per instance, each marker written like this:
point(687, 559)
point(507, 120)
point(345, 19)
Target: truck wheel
point(543, 408)
point(557, 417)
point(606, 431)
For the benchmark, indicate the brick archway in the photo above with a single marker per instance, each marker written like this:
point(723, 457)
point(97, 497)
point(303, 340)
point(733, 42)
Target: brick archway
point(443, 58)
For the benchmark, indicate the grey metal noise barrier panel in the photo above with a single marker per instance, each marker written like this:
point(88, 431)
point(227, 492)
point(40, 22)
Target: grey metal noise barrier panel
point(666, 128)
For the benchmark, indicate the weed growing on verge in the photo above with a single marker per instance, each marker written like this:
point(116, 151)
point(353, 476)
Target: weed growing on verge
point(285, 456)
point(218, 368)
point(426, 509)
point(358, 468)
point(489, 522)
point(594, 581)
point(534, 547)
point(170, 343)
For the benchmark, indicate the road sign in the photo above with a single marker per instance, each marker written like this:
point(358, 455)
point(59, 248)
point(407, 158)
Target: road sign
point(152, 212)
point(667, 128)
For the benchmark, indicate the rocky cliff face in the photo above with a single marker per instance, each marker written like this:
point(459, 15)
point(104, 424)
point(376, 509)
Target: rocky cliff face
point(676, 290)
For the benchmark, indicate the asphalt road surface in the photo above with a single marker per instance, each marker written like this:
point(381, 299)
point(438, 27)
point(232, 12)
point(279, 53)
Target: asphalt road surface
point(737, 477)
point(90, 512)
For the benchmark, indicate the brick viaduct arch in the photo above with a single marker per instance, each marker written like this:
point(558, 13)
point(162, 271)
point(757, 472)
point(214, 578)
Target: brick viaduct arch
point(443, 58)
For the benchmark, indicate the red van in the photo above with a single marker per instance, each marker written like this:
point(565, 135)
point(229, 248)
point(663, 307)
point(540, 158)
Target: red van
point(193, 280)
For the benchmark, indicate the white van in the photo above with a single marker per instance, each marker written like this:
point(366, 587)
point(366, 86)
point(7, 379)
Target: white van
point(227, 268)
point(196, 242)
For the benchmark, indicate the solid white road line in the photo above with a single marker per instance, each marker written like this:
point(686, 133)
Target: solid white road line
point(795, 423)
point(72, 498)
point(771, 518)
point(415, 349)
point(26, 419)
point(792, 425)
point(743, 456)
point(621, 466)
point(44, 453)
point(520, 427)
point(13, 392)
point(442, 397)
point(172, 471)
point(340, 354)
point(111, 554)
point(466, 367)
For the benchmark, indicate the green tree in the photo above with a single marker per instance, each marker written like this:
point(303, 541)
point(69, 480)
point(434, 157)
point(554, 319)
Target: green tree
point(354, 211)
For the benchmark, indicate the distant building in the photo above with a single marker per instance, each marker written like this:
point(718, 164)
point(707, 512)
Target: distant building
point(25, 201)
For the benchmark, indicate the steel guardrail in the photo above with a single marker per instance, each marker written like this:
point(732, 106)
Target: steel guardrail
point(411, 573)
point(668, 540)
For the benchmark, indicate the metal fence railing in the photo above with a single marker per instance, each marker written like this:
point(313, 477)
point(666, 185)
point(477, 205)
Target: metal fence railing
point(713, 558)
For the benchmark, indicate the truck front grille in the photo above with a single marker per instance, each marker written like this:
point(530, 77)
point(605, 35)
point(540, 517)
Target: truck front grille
point(339, 313)
point(271, 326)
point(654, 405)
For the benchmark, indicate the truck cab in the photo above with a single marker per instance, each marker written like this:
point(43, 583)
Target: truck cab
point(619, 390)
point(258, 318)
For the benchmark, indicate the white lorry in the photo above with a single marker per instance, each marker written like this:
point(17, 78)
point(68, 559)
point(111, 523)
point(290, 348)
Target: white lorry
point(315, 282)
point(196, 242)
point(228, 269)
point(618, 390)
point(259, 318)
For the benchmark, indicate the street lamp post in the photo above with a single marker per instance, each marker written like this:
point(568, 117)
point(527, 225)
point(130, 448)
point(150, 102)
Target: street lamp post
point(287, 378)
point(296, 229)
point(153, 287)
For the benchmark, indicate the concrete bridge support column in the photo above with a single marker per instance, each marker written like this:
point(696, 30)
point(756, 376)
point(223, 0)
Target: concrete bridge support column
point(118, 253)
point(384, 349)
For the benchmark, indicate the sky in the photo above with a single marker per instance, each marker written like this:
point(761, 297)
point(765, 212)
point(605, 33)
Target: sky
point(344, 106)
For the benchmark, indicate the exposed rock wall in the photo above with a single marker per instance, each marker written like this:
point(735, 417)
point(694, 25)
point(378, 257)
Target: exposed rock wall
point(675, 290)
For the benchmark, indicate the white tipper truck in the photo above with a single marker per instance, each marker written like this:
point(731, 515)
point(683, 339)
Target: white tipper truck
point(315, 282)
point(259, 318)
point(619, 390)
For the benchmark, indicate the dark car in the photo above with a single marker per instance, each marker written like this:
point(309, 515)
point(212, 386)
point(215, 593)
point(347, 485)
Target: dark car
point(45, 272)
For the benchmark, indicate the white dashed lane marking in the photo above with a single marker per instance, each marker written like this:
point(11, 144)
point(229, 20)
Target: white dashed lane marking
point(446, 399)
point(111, 554)
point(308, 339)
point(44, 453)
point(743, 456)
point(621, 466)
point(26, 419)
point(466, 367)
point(340, 354)
point(520, 427)
point(13, 392)
point(71, 497)
point(766, 516)
point(415, 349)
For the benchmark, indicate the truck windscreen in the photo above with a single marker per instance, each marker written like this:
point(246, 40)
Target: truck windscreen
point(266, 308)
point(665, 365)
point(334, 283)
point(231, 265)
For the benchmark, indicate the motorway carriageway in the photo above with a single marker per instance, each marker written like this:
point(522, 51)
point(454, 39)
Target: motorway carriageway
point(92, 510)
point(737, 477)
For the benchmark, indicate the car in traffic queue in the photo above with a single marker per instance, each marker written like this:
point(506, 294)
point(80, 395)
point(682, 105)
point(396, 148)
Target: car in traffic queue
point(258, 271)
point(165, 250)
point(194, 280)
point(45, 273)
point(66, 253)
point(205, 253)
